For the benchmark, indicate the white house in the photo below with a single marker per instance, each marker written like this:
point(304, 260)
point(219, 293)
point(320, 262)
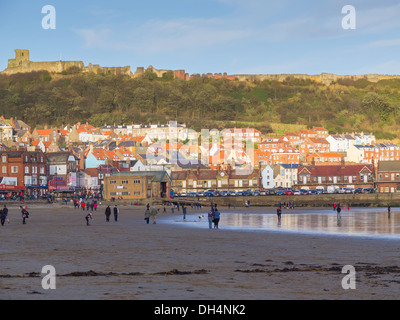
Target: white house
point(338, 143)
point(137, 165)
point(267, 177)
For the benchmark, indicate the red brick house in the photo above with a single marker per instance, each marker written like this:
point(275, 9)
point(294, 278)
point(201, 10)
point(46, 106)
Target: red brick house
point(205, 179)
point(388, 176)
point(354, 176)
point(27, 169)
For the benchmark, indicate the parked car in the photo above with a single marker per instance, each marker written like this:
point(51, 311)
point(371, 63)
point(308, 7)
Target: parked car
point(296, 192)
point(209, 194)
point(232, 193)
point(256, 193)
point(247, 193)
point(217, 193)
point(224, 193)
point(192, 194)
point(348, 190)
point(239, 193)
point(368, 190)
point(303, 191)
point(359, 190)
point(183, 194)
point(271, 192)
point(200, 194)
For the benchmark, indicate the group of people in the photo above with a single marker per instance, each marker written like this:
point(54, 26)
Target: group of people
point(150, 214)
point(4, 215)
point(89, 216)
point(88, 205)
point(213, 217)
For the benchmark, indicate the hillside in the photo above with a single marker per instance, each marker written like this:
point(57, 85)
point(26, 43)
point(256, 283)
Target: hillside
point(346, 105)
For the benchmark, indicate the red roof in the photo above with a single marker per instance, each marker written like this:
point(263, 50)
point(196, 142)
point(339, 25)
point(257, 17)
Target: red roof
point(338, 170)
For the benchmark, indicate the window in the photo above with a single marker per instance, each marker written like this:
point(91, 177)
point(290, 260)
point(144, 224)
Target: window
point(26, 169)
point(136, 193)
point(124, 181)
point(136, 181)
point(42, 170)
point(14, 169)
point(113, 193)
point(113, 182)
point(4, 159)
point(4, 170)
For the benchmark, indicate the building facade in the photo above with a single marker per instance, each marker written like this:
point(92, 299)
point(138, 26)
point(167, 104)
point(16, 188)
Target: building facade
point(137, 185)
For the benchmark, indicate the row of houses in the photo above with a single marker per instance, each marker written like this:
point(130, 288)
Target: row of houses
point(36, 174)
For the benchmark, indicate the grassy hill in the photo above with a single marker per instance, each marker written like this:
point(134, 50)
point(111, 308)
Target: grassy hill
point(41, 98)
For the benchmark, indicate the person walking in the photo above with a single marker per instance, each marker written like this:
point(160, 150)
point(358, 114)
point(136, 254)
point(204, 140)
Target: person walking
point(108, 213)
point(217, 216)
point(147, 215)
point(153, 213)
point(95, 206)
point(116, 212)
point(25, 214)
point(279, 213)
point(210, 218)
point(83, 204)
point(184, 211)
point(5, 212)
point(389, 210)
point(338, 209)
point(2, 217)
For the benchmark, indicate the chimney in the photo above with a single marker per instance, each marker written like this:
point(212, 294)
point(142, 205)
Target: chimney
point(342, 163)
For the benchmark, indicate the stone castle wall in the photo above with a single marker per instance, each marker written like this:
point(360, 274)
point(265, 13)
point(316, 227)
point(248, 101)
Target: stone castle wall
point(22, 64)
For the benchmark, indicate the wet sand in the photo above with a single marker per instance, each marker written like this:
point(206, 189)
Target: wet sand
point(131, 260)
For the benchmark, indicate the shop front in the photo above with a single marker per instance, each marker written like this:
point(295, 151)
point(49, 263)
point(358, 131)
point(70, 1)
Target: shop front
point(11, 192)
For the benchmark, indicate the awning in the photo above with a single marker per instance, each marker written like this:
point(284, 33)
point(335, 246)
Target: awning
point(5, 187)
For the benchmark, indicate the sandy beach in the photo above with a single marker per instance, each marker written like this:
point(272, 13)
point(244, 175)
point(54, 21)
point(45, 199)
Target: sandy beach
point(131, 260)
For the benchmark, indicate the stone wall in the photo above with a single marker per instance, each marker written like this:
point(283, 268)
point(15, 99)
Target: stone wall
point(22, 64)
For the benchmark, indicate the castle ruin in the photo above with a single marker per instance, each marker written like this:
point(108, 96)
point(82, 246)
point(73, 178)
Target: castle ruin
point(22, 64)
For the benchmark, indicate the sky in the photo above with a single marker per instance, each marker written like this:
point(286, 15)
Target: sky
point(201, 36)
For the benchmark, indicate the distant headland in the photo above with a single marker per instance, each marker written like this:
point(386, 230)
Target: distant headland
point(22, 64)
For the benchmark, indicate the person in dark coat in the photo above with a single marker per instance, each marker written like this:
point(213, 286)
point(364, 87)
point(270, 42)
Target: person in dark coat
point(108, 213)
point(2, 217)
point(116, 211)
point(25, 214)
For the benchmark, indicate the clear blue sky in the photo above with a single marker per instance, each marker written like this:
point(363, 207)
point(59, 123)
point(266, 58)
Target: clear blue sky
point(200, 36)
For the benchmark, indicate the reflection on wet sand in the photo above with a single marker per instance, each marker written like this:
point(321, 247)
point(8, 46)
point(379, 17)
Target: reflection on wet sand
point(359, 221)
